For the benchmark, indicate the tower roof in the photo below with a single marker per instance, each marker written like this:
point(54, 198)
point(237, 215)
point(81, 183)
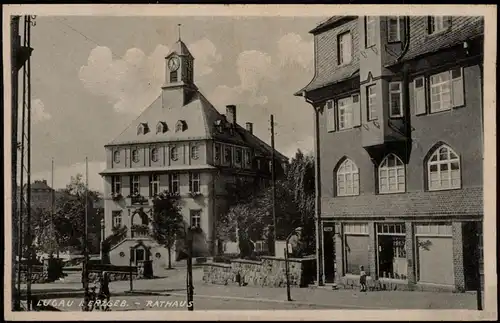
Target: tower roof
point(180, 48)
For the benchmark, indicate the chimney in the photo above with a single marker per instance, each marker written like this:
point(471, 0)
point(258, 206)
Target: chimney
point(45, 181)
point(249, 127)
point(231, 114)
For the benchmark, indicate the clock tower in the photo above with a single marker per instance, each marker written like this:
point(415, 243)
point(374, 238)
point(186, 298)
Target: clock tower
point(179, 85)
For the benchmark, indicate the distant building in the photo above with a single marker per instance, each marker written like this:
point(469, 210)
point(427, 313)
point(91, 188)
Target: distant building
point(399, 112)
point(183, 145)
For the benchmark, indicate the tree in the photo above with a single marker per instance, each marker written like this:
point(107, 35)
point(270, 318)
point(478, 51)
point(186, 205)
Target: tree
point(251, 215)
point(69, 217)
point(167, 222)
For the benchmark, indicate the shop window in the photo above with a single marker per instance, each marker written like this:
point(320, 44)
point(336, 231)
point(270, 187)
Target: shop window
point(356, 252)
point(391, 250)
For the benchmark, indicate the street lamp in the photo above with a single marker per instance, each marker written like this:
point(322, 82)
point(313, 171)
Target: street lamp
point(189, 260)
point(296, 231)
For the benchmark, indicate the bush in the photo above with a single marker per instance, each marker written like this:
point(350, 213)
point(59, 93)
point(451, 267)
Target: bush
point(222, 259)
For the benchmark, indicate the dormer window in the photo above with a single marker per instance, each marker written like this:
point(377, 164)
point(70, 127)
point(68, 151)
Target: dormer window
point(161, 127)
point(438, 24)
point(142, 128)
point(219, 126)
point(180, 126)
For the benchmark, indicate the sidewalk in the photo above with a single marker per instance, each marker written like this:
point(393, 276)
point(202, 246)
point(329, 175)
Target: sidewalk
point(175, 285)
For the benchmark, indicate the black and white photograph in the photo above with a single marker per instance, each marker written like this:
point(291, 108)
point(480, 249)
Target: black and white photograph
point(250, 162)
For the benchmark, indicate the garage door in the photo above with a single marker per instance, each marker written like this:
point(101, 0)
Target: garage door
point(435, 260)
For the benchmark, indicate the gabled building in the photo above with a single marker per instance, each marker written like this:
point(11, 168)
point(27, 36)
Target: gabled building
point(183, 145)
point(399, 128)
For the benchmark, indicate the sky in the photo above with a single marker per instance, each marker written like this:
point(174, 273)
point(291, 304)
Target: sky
point(91, 76)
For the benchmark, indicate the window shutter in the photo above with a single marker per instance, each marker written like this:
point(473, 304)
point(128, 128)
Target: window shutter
point(419, 96)
point(457, 87)
point(190, 182)
point(330, 116)
point(428, 21)
point(356, 111)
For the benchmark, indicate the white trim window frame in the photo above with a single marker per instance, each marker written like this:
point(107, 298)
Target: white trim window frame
point(135, 184)
point(195, 152)
point(173, 183)
point(371, 102)
point(395, 99)
point(117, 219)
point(135, 155)
point(154, 185)
point(154, 154)
point(195, 218)
point(370, 31)
point(174, 153)
point(353, 229)
point(194, 182)
point(438, 24)
point(443, 170)
point(345, 113)
point(440, 92)
point(344, 48)
point(347, 178)
point(116, 185)
point(116, 156)
point(391, 175)
point(393, 29)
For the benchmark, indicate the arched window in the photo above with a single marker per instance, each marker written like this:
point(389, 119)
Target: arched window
point(391, 175)
point(135, 156)
point(174, 153)
point(154, 154)
point(347, 178)
point(116, 156)
point(443, 169)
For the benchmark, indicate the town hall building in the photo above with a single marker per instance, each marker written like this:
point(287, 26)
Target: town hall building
point(183, 145)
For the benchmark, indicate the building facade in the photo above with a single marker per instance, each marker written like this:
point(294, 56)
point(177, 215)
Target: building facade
point(183, 145)
point(399, 144)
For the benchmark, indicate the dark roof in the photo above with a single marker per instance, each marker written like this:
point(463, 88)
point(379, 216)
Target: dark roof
point(335, 77)
point(329, 23)
point(466, 201)
point(462, 29)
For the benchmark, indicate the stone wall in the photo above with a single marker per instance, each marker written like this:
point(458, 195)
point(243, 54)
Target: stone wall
point(269, 272)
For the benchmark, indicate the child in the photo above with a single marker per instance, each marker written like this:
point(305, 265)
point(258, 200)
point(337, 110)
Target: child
point(362, 278)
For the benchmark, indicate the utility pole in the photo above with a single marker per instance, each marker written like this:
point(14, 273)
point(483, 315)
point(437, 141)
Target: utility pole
point(273, 180)
point(85, 242)
point(189, 262)
point(54, 234)
point(16, 238)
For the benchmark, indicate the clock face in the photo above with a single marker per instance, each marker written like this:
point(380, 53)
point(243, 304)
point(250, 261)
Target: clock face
point(173, 63)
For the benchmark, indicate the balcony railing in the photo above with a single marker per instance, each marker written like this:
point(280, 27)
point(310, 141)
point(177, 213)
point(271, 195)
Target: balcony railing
point(140, 231)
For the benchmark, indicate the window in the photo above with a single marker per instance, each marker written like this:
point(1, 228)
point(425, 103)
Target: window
point(420, 96)
point(238, 155)
point(135, 185)
point(443, 169)
point(161, 127)
point(195, 218)
point(154, 185)
point(391, 250)
point(391, 175)
point(258, 164)
point(446, 90)
point(181, 125)
point(356, 240)
point(135, 156)
point(174, 153)
point(345, 113)
point(217, 152)
point(344, 48)
point(194, 182)
point(173, 184)
point(116, 218)
point(347, 179)
point(330, 116)
point(393, 29)
point(154, 154)
point(173, 77)
point(396, 100)
point(370, 31)
point(248, 157)
point(227, 155)
point(195, 152)
point(371, 103)
point(116, 185)
point(439, 23)
point(116, 156)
